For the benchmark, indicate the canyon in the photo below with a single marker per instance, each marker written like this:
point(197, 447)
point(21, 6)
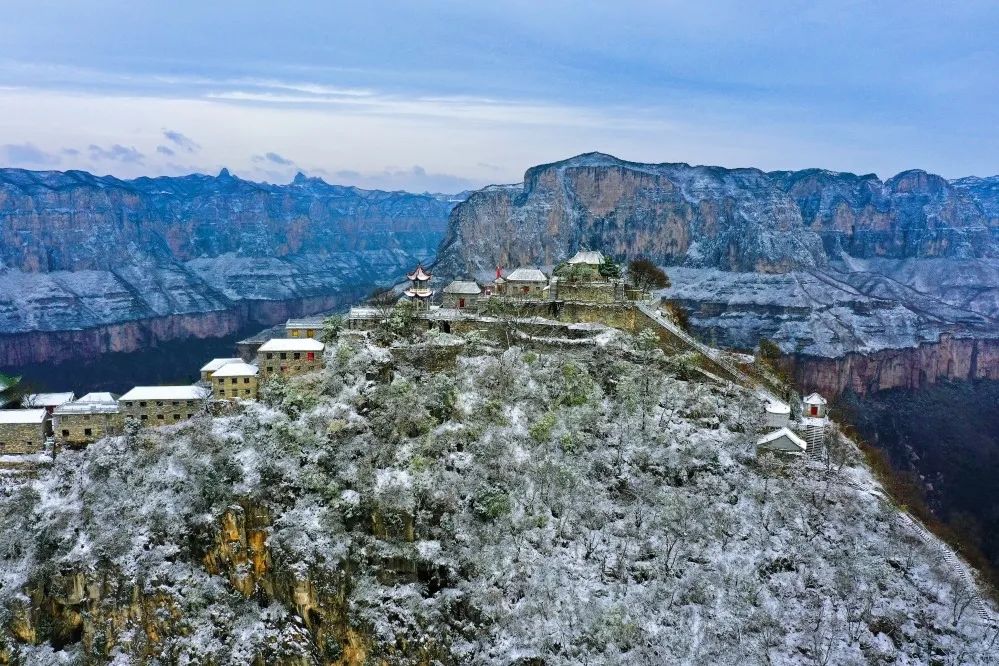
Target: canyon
point(91, 265)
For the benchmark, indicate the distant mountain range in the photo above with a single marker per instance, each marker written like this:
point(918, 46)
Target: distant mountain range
point(92, 264)
point(827, 264)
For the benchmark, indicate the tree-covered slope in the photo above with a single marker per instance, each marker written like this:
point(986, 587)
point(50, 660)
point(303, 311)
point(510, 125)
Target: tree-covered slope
point(593, 505)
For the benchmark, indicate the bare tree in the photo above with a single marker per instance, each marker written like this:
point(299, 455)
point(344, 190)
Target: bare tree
point(961, 598)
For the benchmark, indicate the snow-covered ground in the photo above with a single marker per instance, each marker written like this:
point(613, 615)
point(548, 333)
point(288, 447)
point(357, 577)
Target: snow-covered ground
point(571, 507)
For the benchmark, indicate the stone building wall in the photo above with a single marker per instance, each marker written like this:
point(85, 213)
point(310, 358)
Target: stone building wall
point(288, 363)
point(81, 429)
point(160, 412)
point(454, 300)
point(230, 388)
point(21, 438)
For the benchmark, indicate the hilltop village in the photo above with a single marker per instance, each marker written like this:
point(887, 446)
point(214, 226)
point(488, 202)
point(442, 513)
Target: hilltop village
point(444, 473)
point(580, 300)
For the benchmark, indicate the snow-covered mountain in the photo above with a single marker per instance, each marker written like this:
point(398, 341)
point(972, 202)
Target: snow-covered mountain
point(568, 506)
point(91, 264)
point(827, 264)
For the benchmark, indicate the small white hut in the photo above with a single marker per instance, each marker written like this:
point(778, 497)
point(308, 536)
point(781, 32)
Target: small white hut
point(782, 441)
point(814, 406)
point(777, 413)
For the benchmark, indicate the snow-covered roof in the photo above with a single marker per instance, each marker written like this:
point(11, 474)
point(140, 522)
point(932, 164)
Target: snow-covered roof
point(587, 257)
point(292, 344)
point(527, 275)
point(463, 287)
point(778, 434)
point(236, 370)
point(419, 274)
point(47, 399)
point(777, 407)
point(815, 399)
point(166, 393)
point(305, 322)
point(21, 416)
point(92, 403)
point(217, 363)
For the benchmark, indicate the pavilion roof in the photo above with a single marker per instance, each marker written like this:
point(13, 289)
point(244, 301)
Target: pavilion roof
point(419, 274)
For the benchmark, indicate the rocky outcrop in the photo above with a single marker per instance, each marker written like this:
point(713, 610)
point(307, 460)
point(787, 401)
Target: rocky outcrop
point(910, 368)
point(711, 217)
point(110, 259)
point(825, 264)
point(22, 349)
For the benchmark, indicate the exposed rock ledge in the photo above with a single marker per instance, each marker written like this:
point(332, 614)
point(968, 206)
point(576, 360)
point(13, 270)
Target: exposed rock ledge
point(55, 346)
point(912, 368)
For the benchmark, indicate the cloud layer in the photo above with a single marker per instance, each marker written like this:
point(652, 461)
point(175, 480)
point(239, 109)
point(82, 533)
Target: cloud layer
point(464, 94)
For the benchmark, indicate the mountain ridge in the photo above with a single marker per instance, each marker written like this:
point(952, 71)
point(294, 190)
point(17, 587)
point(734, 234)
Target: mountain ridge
point(130, 262)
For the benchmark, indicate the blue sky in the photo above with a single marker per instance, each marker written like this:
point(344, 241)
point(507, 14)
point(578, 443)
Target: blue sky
point(447, 95)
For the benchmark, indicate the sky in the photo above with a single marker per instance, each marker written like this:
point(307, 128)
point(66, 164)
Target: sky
point(444, 96)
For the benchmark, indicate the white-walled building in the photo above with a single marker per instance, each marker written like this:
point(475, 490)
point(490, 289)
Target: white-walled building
point(777, 414)
point(814, 406)
point(782, 441)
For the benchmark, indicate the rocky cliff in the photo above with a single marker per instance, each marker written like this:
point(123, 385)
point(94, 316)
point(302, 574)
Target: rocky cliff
point(88, 263)
point(826, 264)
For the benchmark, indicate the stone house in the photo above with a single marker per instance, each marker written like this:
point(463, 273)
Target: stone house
point(782, 441)
point(208, 368)
point(529, 283)
point(814, 406)
point(22, 430)
point(48, 402)
point(289, 356)
point(88, 419)
point(160, 405)
point(308, 327)
point(461, 294)
point(236, 381)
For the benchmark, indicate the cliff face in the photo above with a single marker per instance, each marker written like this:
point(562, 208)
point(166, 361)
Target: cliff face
point(711, 217)
point(909, 368)
point(826, 264)
point(97, 254)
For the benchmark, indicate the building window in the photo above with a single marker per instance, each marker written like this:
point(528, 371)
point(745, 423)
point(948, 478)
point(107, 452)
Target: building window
point(144, 417)
point(221, 391)
point(296, 356)
point(190, 416)
point(247, 391)
point(270, 368)
point(86, 417)
point(270, 355)
point(284, 356)
point(246, 380)
point(234, 380)
point(65, 433)
point(176, 417)
point(161, 417)
point(142, 403)
point(461, 302)
point(159, 403)
point(311, 332)
point(311, 356)
point(176, 402)
point(88, 432)
point(294, 333)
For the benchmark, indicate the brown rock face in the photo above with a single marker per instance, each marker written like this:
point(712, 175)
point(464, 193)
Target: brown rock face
point(131, 336)
point(899, 368)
